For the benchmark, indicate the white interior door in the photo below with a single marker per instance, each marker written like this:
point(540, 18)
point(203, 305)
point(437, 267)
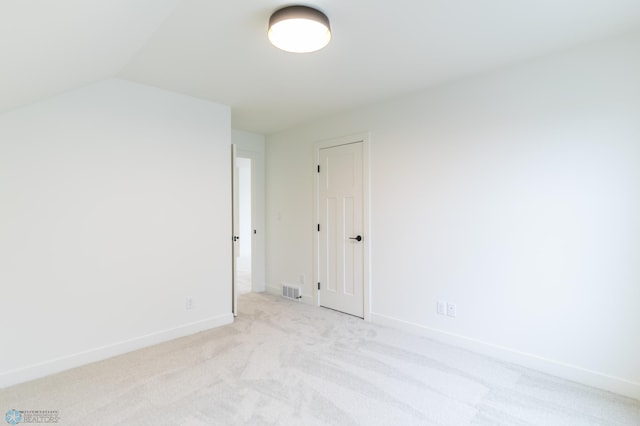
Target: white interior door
point(341, 228)
point(235, 233)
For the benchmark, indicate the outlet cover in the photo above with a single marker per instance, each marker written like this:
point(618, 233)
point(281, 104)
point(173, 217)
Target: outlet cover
point(441, 308)
point(188, 303)
point(451, 310)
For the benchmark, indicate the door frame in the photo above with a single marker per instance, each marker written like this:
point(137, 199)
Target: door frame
point(234, 230)
point(365, 138)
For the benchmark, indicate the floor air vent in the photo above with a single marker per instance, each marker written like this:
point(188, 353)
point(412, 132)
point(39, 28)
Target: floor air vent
point(294, 293)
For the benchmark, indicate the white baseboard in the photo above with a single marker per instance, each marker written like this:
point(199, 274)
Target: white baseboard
point(556, 368)
point(275, 290)
point(46, 368)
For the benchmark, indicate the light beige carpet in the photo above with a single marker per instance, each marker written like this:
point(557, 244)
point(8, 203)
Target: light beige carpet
point(285, 363)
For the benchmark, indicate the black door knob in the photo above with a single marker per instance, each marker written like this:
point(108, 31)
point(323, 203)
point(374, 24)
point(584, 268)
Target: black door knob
point(358, 238)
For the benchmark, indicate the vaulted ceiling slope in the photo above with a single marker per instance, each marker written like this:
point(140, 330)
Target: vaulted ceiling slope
point(48, 47)
point(218, 50)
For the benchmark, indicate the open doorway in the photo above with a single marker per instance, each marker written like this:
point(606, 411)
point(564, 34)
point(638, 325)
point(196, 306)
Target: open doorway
point(248, 246)
point(245, 220)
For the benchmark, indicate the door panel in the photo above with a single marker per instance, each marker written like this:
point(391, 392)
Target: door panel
point(341, 256)
point(330, 242)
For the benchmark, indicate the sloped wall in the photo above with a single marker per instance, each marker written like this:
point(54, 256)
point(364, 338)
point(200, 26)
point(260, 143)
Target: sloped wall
point(115, 208)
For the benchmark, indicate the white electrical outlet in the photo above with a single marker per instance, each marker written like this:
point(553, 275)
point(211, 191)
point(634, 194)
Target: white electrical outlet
point(302, 279)
point(188, 303)
point(451, 310)
point(441, 308)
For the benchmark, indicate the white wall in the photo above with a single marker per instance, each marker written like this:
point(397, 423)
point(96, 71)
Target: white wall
point(115, 207)
point(514, 194)
point(252, 146)
point(247, 141)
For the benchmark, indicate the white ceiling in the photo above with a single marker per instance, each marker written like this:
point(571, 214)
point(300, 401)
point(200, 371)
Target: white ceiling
point(218, 50)
point(47, 47)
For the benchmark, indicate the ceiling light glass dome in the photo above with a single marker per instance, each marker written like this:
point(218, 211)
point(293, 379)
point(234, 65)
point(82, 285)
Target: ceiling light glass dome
point(299, 29)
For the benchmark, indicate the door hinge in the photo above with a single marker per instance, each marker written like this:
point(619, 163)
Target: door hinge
point(318, 227)
point(318, 286)
point(318, 168)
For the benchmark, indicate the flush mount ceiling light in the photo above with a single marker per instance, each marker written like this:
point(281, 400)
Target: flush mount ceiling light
point(299, 29)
